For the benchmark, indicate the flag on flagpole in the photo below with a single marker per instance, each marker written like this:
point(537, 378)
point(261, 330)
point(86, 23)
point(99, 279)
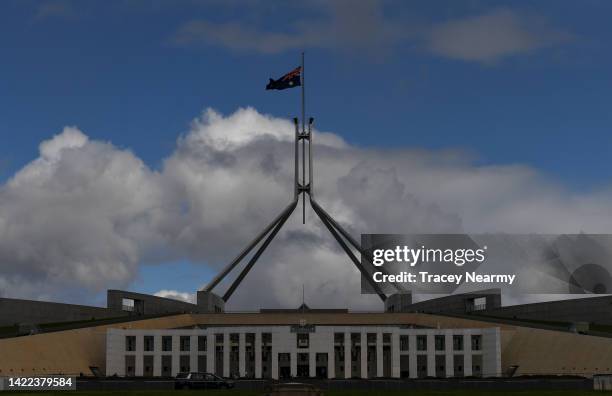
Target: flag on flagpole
point(289, 80)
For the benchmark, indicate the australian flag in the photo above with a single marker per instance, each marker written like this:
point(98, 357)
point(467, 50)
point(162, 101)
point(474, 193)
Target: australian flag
point(289, 80)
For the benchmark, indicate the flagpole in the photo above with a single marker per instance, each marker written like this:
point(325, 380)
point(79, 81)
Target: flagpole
point(303, 144)
point(303, 101)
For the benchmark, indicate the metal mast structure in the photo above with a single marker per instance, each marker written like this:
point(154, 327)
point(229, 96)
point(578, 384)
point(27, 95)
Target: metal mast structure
point(303, 187)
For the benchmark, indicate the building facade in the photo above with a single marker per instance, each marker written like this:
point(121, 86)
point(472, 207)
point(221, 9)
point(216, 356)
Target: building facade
point(323, 351)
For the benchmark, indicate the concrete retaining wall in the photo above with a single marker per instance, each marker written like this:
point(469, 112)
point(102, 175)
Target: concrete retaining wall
point(15, 311)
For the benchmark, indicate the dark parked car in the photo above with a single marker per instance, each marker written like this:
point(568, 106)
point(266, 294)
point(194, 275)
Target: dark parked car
point(201, 381)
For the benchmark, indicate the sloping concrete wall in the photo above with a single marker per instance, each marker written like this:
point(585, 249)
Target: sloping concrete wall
point(15, 311)
point(151, 305)
point(457, 303)
point(591, 309)
point(71, 351)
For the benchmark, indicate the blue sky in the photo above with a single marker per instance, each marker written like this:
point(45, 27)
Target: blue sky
point(135, 73)
point(112, 69)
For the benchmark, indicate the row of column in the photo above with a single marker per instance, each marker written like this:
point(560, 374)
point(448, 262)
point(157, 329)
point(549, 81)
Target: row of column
point(317, 344)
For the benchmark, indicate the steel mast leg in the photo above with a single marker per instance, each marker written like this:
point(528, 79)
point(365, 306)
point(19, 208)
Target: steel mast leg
point(259, 252)
point(281, 218)
point(348, 251)
point(349, 238)
point(345, 234)
point(249, 247)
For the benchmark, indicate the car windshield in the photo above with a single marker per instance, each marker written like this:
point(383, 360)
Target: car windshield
point(182, 375)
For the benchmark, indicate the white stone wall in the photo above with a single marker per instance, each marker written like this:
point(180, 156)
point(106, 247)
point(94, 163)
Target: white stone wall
point(320, 341)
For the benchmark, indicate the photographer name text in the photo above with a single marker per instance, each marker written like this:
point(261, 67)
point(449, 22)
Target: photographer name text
point(457, 279)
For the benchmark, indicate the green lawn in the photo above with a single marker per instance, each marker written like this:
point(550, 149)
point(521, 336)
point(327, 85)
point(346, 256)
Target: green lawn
point(327, 393)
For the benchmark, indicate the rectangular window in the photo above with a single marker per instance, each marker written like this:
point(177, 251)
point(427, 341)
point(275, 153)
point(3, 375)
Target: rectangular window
point(147, 365)
point(166, 343)
point(422, 366)
point(184, 364)
point(149, 343)
point(404, 366)
point(404, 345)
point(422, 343)
point(458, 366)
point(458, 342)
point(477, 365)
point(130, 365)
point(202, 340)
point(202, 363)
point(130, 343)
point(127, 304)
point(166, 366)
point(440, 366)
point(476, 342)
point(185, 342)
point(480, 304)
point(440, 343)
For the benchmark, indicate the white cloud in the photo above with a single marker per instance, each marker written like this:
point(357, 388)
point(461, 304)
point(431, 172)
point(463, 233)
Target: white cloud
point(340, 25)
point(70, 137)
point(376, 29)
point(176, 295)
point(210, 131)
point(80, 215)
point(491, 36)
point(84, 215)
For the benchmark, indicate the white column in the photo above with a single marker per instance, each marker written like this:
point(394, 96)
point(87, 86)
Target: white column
point(331, 356)
point(347, 355)
point(193, 353)
point(258, 355)
point(113, 354)
point(491, 352)
point(242, 354)
point(412, 356)
point(467, 353)
point(431, 355)
point(450, 361)
point(210, 351)
point(364, 354)
point(331, 353)
point(157, 361)
point(226, 354)
point(312, 363)
point(395, 354)
point(138, 366)
point(120, 371)
point(293, 354)
point(118, 351)
point(379, 354)
point(293, 362)
point(275, 340)
point(176, 353)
